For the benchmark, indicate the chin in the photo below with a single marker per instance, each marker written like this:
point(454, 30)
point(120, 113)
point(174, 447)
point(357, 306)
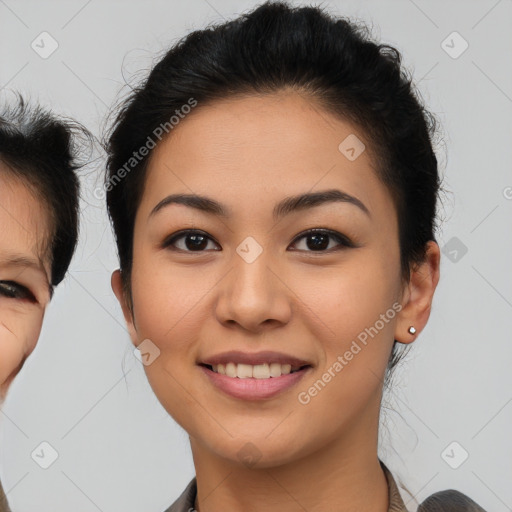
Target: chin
point(255, 452)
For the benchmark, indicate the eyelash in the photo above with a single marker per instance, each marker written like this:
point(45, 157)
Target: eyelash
point(342, 240)
point(12, 290)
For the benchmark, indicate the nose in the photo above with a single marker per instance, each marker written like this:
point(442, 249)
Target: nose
point(254, 296)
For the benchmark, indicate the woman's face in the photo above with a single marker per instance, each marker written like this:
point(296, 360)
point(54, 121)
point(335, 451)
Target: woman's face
point(250, 286)
point(24, 276)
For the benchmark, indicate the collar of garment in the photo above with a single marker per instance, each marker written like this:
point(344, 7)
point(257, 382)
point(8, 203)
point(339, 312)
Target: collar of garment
point(186, 502)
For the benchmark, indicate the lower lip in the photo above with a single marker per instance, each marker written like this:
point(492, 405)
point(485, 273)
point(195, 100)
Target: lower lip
point(254, 389)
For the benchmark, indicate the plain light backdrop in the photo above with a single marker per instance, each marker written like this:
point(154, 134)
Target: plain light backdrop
point(83, 391)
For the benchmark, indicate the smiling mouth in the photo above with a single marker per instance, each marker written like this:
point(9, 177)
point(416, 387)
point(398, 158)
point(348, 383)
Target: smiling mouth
point(258, 371)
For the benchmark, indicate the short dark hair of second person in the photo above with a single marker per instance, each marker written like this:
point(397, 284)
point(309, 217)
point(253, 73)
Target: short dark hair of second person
point(42, 151)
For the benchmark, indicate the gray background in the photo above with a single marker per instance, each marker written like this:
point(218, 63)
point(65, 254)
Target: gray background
point(83, 391)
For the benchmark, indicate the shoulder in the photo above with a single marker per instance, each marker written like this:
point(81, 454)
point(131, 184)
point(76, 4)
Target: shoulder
point(442, 501)
point(185, 503)
point(449, 501)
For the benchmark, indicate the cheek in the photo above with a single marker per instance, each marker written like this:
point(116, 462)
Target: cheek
point(355, 339)
point(349, 298)
point(18, 337)
point(167, 299)
point(11, 353)
point(355, 310)
point(172, 305)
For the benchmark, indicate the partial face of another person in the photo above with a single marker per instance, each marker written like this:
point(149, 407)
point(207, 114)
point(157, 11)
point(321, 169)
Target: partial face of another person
point(24, 274)
point(253, 283)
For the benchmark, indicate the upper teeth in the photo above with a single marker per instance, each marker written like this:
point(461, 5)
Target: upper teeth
point(258, 371)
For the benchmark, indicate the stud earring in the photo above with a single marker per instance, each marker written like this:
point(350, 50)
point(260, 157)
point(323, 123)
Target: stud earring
point(412, 330)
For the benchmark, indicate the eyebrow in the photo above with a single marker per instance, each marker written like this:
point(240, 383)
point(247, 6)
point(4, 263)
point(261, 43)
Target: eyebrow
point(281, 209)
point(16, 260)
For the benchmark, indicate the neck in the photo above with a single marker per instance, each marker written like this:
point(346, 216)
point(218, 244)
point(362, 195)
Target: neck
point(344, 475)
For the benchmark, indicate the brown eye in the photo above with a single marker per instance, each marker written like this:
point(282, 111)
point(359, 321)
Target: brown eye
point(13, 290)
point(192, 241)
point(319, 240)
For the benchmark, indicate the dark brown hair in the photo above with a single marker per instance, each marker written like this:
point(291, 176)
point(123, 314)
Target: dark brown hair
point(328, 59)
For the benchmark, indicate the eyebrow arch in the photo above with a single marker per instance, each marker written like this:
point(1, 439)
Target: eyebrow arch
point(284, 207)
point(22, 261)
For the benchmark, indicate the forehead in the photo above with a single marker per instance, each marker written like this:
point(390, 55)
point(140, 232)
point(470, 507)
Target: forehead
point(24, 221)
point(277, 144)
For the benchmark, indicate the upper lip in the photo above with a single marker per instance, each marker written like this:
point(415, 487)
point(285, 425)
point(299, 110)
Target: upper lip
point(255, 358)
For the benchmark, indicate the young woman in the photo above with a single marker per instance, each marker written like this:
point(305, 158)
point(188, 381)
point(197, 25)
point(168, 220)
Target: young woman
point(39, 226)
point(273, 188)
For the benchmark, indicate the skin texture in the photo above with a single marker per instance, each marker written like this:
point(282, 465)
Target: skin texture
point(248, 153)
point(24, 275)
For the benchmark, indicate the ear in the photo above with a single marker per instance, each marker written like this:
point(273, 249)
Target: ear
point(116, 282)
point(418, 295)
